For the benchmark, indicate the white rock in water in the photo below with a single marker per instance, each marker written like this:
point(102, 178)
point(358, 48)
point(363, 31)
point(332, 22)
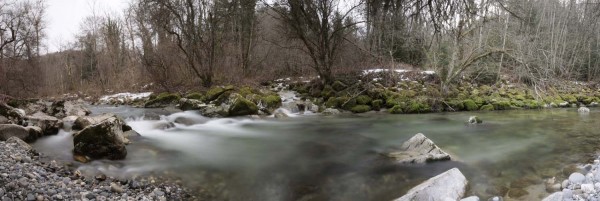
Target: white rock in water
point(558, 196)
point(588, 188)
point(565, 183)
point(419, 149)
point(474, 120)
point(567, 194)
point(472, 198)
point(583, 110)
point(450, 185)
point(576, 178)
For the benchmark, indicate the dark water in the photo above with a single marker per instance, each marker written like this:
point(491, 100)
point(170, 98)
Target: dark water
point(339, 158)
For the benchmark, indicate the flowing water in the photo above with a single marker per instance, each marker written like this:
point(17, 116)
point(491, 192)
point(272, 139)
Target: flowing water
point(312, 157)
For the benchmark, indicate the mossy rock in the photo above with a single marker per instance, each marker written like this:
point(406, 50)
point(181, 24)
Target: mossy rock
point(245, 91)
point(416, 107)
point(376, 93)
point(331, 102)
point(488, 107)
point(327, 92)
point(397, 109)
point(215, 92)
point(377, 104)
point(501, 105)
point(470, 105)
point(346, 103)
point(271, 102)
point(456, 105)
point(391, 102)
point(242, 106)
point(360, 109)
point(533, 104)
point(195, 96)
point(517, 103)
point(569, 98)
point(162, 99)
point(339, 86)
point(363, 100)
point(407, 93)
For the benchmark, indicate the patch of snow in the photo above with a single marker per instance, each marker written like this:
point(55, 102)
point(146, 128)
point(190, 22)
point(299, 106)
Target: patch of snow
point(428, 72)
point(123, 97)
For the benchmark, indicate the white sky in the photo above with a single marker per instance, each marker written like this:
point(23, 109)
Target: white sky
point(63, 17)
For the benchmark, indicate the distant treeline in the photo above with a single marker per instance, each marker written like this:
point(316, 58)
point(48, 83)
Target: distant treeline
point(187, 44)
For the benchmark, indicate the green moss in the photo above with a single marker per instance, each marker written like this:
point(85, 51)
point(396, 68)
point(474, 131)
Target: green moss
point(455, 105)
point(245, 91)
point(470, 105)
point(488, 107)
point(417, 107)
point(569, 98)
point(327, 92)
point(242, 106)
point(377, 104)
point(533, 104)
point(195, 96)
point(331, 102)
point(162, 99)
point(339, 86)
point(391, 102)
point(271, 102)
point(360, 109)
point(397, 109)
point(501, 105)
point(214, 93)
point(517, 103)
point(346, 103)
point(363, 100)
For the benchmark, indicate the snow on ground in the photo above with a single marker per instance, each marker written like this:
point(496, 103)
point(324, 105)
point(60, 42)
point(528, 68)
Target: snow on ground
point(124, 97)
point(379, 70)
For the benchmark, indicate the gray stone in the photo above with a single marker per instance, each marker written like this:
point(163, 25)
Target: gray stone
point(82, 122)
point(101, 140)
point(11, 130)
point(474, 120)
point(419, 149)
point(190, 104)
point(576, 178)
point(75, 109)
point(280, 114)
point(558, 196)
point(567, 193)
point(583, 110)
point(472, 198)
point(330, 112)
point(116, 188)
point(50, 125)
point(450, 185)
point(4, 120)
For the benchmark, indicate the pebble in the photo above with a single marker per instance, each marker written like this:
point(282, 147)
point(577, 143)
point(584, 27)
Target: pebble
point(576, 178)
point(36, 180)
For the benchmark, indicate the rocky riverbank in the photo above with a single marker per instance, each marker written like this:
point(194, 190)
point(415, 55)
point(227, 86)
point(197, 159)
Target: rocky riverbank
point(24, 176)
point(584, 184)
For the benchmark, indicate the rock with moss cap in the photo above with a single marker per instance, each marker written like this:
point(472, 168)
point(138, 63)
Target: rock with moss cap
point(190, 104)
point(162, 100)
point(474, 120)
point(339, 86)
point(470, 105)
point(360, 109)
point(270, 102)
point(103, 140)
point(241, 106)
point(397, 109)
point(215, 92)
point(488, 107)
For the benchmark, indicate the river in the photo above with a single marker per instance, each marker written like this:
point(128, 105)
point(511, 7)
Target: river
point(313, 157)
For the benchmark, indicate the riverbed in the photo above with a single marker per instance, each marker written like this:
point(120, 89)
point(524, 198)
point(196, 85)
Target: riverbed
point(313, 157)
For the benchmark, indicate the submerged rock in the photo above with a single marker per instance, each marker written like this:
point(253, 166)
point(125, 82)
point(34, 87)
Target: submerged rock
point(419, 149)
point(280, 114)
point(474, 120)
point(450, 185)
point(583, 110)
point(101, 140)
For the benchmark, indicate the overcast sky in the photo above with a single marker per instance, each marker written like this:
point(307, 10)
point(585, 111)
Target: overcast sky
point(64, 17)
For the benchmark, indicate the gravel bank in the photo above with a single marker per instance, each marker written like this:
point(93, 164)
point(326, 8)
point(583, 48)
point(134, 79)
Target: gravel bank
point(23, 176)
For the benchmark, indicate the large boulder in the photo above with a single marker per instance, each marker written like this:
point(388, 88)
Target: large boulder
point(241, 106)
point(50, 125)
point(450, 185)
point(13, 115)
point(28, 134)
point(75, 109)
point(103, 140)
point(82, 122)
point(212, 110)
point(190, 104)
point(4, 120)
point(419, 149)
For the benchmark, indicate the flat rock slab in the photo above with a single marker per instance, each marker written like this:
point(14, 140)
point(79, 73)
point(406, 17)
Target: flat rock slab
point(450, 185)
point(419, 149)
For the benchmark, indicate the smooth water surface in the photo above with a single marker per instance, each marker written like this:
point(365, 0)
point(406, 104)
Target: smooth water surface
point(340, 158)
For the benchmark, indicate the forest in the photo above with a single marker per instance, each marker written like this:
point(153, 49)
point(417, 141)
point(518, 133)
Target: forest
point(179, 45)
